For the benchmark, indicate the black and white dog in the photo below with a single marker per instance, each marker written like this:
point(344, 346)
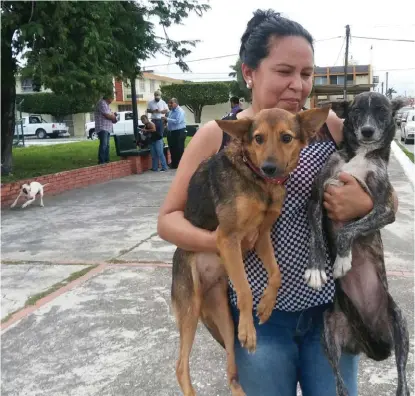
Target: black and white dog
point(30, 191)
point(364, 317)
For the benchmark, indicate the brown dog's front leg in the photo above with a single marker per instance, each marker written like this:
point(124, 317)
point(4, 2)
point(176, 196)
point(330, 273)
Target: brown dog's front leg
point(230, 251)
point(265, 252)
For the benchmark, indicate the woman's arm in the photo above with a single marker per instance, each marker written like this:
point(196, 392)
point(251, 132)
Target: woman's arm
point(349, 201)
point(171, 225)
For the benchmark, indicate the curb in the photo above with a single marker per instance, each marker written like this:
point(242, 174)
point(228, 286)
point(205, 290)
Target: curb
point(407, 165)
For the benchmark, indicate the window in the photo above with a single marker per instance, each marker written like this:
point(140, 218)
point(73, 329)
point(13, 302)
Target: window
point(125, 108)
point(142, 85)
point(34, 120)
point(128, 116)
point(339, 80)
point(27, 85)
point(320, 80)
point(152, 86)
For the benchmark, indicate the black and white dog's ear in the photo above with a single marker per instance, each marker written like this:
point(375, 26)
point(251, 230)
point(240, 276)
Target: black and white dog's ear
point(397, 104)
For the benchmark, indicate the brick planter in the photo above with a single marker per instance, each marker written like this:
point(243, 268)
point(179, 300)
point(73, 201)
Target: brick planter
point(77, 178)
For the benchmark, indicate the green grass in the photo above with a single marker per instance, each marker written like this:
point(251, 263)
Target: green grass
point(406, 151)
point(32, 161)
point(33, 299)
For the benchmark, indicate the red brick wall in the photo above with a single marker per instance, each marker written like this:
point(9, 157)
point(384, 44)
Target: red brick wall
point(119, 97)
point(63, 181)
point(77, 178)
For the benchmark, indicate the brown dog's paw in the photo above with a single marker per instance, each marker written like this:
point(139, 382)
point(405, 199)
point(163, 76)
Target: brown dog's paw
point(266, 305)
point(247, 333)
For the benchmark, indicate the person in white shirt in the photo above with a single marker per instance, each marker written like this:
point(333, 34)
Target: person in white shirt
point(157, 108)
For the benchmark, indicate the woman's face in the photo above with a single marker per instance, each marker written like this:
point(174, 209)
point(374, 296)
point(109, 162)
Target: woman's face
point(285, 77)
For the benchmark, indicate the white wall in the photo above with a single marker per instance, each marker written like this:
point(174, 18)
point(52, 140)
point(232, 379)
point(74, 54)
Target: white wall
point(209, 113)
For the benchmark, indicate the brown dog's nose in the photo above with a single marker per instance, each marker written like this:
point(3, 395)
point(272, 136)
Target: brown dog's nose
point(269, 169)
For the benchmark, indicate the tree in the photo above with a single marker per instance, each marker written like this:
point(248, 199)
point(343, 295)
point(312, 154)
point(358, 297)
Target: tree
point(76, 48)
point(238, 88)
point(56, 105)
point(197, 95)
point(389, 92)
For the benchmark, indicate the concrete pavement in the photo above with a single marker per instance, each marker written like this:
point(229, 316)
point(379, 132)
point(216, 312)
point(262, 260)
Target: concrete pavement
point(113, 332)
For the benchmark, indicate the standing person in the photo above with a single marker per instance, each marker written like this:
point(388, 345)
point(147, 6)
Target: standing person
point(157, 108)
point(104, 119)
point(277, 64)
point(235, 105)
point(176, 125)
point(156, 145)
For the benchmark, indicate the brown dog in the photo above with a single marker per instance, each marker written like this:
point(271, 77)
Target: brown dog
point(237, 191)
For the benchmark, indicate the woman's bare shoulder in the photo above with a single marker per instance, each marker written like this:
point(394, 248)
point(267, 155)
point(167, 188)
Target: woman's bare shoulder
point(335, 125)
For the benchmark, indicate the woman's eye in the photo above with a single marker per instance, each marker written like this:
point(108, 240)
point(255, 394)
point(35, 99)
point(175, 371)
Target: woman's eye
point(259, 139)
point(287, 138)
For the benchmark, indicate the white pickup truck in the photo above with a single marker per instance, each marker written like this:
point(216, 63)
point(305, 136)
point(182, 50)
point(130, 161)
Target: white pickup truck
point(35, 125)
point(124, 125)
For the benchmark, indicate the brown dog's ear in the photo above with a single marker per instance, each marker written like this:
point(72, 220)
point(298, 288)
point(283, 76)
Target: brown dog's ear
point(312, 120)
point(236, 128)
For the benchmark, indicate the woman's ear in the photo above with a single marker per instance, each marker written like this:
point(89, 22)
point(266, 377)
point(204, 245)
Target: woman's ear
point(247, 74)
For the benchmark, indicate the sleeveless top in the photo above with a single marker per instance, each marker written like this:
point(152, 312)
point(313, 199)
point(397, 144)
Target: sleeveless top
point(291, 235)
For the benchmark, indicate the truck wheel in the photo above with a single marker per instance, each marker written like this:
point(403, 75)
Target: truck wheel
point(41, 133)
point(93, 135)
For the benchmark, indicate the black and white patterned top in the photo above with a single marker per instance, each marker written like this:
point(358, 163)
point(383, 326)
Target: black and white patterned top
point(290, 236)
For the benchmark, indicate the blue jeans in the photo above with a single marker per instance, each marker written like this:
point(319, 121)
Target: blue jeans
point(104, 147)
point(288, 352)
point(157, 153)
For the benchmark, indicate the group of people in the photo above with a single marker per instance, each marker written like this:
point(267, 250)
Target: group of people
point(163, 116)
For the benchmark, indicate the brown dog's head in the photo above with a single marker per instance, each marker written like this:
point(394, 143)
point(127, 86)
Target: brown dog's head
point(274, 137)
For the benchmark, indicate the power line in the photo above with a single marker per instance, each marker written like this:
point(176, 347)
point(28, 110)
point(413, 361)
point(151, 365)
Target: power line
point(338, 56)
point(383, 39)
point(227, 56)
point(404, 69)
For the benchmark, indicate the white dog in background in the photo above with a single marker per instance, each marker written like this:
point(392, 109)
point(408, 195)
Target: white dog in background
point(30, 191)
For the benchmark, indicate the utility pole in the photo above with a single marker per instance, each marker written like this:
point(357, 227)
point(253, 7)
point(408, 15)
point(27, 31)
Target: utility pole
point(387, 77)
point(134, 106)
point(382, 87)
point(346, 58)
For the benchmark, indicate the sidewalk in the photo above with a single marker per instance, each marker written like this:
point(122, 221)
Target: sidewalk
point(111, 332)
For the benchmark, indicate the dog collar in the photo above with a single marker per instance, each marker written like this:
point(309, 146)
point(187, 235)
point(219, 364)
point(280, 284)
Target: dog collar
point(273, 180)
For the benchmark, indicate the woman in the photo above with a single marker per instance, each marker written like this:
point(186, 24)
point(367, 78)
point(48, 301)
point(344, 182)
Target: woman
point(278, 63)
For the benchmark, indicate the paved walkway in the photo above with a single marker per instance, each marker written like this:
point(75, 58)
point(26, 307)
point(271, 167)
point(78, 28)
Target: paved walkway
point(111, 331)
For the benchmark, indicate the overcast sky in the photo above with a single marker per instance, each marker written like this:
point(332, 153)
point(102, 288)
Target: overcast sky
point(220, 30)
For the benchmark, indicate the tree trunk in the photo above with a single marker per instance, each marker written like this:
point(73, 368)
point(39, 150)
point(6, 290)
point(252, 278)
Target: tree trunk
point(8, 98)
point(198, 114)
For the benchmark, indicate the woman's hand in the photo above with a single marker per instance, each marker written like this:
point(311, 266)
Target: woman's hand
point(347, 202)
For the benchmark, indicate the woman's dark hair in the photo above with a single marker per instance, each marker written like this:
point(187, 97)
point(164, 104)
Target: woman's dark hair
point(262, 26)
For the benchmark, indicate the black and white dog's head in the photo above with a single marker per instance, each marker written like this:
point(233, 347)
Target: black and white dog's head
point(370, 121)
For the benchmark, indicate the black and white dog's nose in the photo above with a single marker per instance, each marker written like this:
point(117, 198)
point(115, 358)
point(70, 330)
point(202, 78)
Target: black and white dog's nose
point(367, 131)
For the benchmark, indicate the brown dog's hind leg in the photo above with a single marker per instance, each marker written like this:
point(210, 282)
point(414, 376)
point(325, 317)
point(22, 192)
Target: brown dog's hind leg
point(265, 252)
point(231, 254)
point(187, 312)
point(216, 312)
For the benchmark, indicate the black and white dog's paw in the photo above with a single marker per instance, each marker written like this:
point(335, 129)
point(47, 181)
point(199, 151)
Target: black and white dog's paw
point(342, 265)
point(315, 278)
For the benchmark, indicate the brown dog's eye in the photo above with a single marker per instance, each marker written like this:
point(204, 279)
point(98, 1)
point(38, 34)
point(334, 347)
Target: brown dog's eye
point(259, 139)
point(286, 138)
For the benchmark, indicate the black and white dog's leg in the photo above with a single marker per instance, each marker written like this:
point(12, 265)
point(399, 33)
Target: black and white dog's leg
point(401, 341)
point(381, 215)
point(332, 340)
point(15, 202)
point(315, 274)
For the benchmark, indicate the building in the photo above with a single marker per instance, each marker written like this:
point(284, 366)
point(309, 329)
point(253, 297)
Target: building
point(145, 87)
point(329, 83)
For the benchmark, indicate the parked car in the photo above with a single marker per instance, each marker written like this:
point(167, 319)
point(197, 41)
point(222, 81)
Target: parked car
point(408, 127)
point(35, 125)
point(124, 125)
point(400, 114)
